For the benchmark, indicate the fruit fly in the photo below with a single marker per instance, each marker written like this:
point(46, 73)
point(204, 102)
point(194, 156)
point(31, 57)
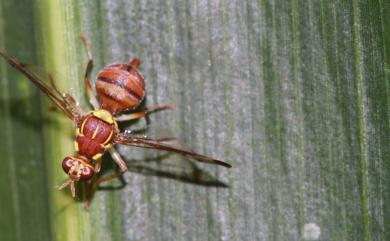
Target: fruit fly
point(120, 89)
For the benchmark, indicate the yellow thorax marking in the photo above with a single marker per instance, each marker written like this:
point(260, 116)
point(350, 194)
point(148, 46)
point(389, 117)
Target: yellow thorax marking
point(81, 131)
point(76, 146)
point(95, 132)
point(108, 138)
point(104, 116)
point(78, 133)
point(97, 156)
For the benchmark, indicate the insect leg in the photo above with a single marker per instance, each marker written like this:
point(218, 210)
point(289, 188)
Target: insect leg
point(132, 116)
point(119, 161)
point(135, 63)
point(144, 113)
point(68, 99)
point(98, 165)
point(91, 187)
point(92, 99)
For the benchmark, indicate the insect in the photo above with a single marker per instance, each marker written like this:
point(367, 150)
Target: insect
point(120, 89)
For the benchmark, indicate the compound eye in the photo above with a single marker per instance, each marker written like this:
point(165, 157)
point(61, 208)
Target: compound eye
point(87, 173)
point(67, 163)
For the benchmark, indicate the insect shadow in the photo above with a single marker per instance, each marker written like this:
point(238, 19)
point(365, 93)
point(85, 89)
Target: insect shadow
point(30, 117)
point(167, 166)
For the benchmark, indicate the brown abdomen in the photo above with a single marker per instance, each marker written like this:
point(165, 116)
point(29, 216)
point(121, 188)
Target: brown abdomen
point(94, 135)
point(119, 87)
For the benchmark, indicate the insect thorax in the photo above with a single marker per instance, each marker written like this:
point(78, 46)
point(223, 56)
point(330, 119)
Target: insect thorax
point(95, 134)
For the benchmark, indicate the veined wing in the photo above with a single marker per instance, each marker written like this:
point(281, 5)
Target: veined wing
point(63, 101)
point(132, 140)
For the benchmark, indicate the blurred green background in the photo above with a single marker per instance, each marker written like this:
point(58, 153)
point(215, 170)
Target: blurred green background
point(294, 94)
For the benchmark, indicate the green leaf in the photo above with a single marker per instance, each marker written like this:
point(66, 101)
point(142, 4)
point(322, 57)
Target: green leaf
point(294, 94)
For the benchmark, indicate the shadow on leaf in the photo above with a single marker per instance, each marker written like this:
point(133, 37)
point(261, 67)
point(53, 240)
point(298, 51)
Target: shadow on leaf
point(169, 166)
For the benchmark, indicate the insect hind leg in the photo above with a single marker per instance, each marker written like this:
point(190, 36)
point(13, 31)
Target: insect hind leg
point(147, 111)
point(91, 96)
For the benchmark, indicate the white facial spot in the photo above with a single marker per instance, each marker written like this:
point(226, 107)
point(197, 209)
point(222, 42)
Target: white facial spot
point(311, 231)
point(69, 163)
point(86, 171)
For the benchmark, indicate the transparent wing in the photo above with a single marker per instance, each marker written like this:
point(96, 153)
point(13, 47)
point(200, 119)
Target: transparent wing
point(63, 101)
point(153, 132)
point(132, 140)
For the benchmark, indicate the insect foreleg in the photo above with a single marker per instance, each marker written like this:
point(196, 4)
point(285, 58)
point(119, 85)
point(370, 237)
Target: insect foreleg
point(92, 186)
point(119, 161)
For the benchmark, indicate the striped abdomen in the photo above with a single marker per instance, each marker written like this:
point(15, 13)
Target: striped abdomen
point(120, 87)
